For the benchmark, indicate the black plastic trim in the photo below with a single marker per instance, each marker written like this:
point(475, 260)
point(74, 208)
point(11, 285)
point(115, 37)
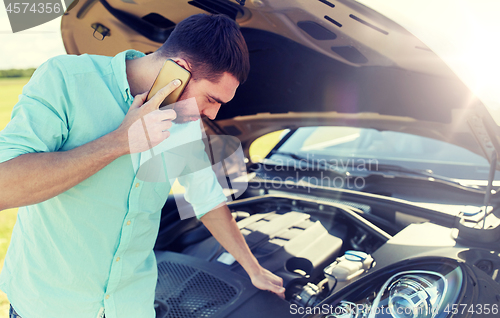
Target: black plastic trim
point(280, 143)
point(333, 21)
point(249, 301)
point(328, 3)
point(85, 8)
point(218, 7)
point(373, 200)
point(350, 53)
point(316, 31)
point(368, 24)
point(139, 25)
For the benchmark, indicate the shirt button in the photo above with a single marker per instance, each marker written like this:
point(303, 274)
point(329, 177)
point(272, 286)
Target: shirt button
point(137, 185)
point(128, 223)
point(107, 297)
point(117, 259)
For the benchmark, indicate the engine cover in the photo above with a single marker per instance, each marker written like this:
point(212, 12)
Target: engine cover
point(289, 244)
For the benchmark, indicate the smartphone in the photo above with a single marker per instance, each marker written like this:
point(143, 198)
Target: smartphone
point(170, 71)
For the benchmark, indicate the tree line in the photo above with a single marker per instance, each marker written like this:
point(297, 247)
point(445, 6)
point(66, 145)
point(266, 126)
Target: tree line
point(17, 72)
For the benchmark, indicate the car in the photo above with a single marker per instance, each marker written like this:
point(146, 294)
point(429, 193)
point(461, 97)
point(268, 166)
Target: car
point(373, 194)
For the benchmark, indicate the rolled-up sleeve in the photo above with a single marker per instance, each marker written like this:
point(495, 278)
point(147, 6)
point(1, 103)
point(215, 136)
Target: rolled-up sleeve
point(39, 121)
point(203, 190)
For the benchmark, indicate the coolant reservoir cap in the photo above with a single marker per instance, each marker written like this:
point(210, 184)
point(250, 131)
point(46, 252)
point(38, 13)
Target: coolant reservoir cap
point(355, 256)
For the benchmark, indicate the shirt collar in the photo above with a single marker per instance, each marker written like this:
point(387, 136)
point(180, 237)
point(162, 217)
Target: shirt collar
point(119, 68)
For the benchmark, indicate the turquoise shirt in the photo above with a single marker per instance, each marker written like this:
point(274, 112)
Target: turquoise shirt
point(89, 250)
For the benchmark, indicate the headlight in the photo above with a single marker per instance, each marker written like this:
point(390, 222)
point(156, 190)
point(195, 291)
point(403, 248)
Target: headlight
point(413, 296)
point(402, 291)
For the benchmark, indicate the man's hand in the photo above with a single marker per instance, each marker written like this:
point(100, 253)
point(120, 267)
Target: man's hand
point(266, 280)
point(223, 227)
point(145, 125)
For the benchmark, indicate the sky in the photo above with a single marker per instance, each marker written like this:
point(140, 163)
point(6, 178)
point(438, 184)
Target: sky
point(465, 37)
point(29, 48)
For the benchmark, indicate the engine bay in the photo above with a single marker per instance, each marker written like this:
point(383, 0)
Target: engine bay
point(334, 255)
point(294, 238)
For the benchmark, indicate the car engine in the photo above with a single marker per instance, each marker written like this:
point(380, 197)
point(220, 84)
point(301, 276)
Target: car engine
point(297, 239)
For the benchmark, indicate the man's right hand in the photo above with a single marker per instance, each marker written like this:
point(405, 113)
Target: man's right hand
point(145, 125)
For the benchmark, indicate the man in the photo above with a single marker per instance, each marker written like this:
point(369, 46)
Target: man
point(82, 244)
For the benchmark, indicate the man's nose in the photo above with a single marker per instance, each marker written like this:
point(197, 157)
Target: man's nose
point(211, 112)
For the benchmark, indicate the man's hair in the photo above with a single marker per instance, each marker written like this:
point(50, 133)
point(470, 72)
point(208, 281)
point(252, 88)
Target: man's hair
point(211, 44)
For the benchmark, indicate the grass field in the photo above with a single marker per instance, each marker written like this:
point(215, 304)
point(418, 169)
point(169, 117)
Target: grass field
point(9, 92)
point(10, 88)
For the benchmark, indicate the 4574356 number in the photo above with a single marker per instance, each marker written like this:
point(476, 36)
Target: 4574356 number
point(479, 309)
point(24, 7)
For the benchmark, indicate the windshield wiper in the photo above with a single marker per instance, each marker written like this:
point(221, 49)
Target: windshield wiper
point(382, 169)
point(315, 164)
point(399, 171)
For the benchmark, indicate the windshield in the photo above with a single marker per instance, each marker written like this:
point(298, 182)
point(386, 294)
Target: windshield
point(351, 149)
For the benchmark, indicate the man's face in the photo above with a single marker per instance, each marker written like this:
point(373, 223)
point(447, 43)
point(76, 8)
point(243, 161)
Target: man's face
point(209, 97)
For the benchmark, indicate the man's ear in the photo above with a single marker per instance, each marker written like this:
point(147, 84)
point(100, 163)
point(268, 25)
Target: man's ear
point(183, 63)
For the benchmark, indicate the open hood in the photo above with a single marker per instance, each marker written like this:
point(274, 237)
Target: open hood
point(312, 63)
point(327, 63)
